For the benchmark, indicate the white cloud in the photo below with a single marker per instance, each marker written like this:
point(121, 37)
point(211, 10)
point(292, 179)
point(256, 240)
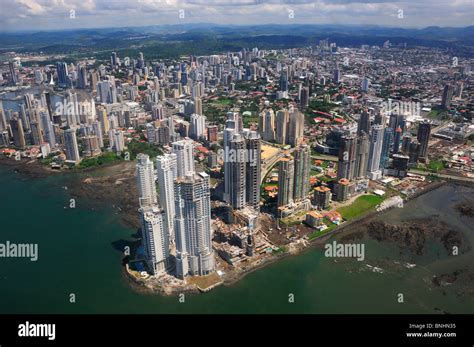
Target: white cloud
point(33, 14)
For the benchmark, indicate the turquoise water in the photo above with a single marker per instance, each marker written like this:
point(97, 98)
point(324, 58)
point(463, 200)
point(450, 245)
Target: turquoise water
point(77, 255)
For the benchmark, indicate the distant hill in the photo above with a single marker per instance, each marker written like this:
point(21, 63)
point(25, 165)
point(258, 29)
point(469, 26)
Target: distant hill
point(169, 40)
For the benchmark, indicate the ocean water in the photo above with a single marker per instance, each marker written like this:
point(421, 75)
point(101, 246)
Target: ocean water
point(78, 254)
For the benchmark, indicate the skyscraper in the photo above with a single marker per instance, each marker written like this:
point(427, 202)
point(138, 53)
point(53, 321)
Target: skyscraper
point(253, 170)
point(304, 100)
point(116, 140)
point(47, 126)
point(198, 126)
point(155, 240)
point(423, 136)
point(365, 85)
point(36, 133)
point(396, 140)
point(17, 131)
point(91, 146)
point(302, 163)
point(284, 82)
point(229, 131)
point(146, 181)
point(198, 106)
point(336, 76)
point(282, 119)
point(13, 75)
point(72, 150)
point(63, 77)
point(347, 157)
point(237, 166)
point(106, 92)
point(3, 119)
point(447, 96)
point(194, 254)
point(296, 127)
point(397, 123)
point(97, 127)
point(166, 170)
point(406, 140)
point(72, 110)
point(184, 157)
point(103, 119)
point(285, 180)
point(267, 125)
point(376, 140)
point(364, 123)
point(81, 77)
point(362, 155)
point(25, 120)
point(114, 59)
point(386, 145)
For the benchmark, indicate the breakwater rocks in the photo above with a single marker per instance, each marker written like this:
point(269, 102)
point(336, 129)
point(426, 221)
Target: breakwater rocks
point(412, 235)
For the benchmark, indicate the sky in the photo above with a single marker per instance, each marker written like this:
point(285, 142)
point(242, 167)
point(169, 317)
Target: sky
point(73, 14)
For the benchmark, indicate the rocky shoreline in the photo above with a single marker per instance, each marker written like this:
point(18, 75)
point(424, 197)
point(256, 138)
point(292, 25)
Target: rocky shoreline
point(466, 208)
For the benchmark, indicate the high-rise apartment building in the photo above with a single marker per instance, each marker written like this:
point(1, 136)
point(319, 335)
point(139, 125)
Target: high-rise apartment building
point(237, 158)
point(376, 140)
point(184, 150)
point(423, 136)
point(155, 240)
point(347, 157)
point(253, 170)
point(166, 172)
point(72, 149)
point(147, 196)
point(302, 167)
point(295, 127)
point(285, 180)
point(194, 254)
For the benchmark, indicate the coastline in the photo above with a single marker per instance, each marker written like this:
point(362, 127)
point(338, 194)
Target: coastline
point(116, 190)
point(340, 231)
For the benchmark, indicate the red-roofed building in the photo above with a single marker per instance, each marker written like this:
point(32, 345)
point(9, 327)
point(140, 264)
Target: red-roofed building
point(202, 149)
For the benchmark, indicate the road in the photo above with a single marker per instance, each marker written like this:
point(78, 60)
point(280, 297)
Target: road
point(450, 177)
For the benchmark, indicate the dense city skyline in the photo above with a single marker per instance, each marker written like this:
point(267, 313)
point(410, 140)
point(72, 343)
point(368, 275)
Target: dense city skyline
point(286, 168)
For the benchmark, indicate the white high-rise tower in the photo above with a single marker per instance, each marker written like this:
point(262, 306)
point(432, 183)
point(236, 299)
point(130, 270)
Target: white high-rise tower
point(166, 170)
point(155, 240)
point(194, 254)
point(146, 181)
point(376, 140)
point(184, 157)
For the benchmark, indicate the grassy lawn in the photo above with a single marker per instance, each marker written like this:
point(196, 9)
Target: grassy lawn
point(435, 165)
point(319, 233)
point(106, 157)
point(361, 205)
point(437, 113)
